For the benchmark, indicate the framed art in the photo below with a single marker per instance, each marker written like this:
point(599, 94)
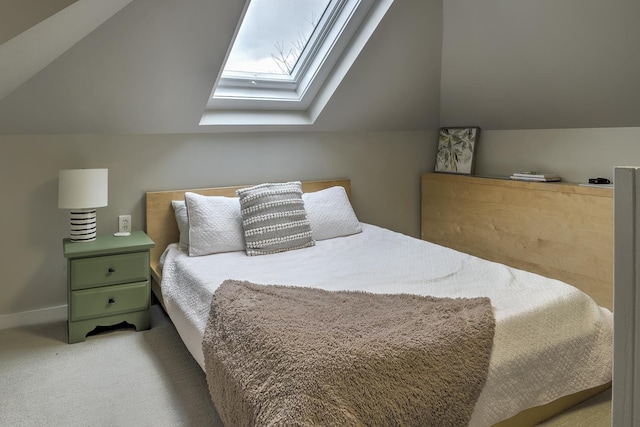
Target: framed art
point(457, 148)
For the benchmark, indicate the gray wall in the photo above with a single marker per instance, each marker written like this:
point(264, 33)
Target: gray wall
point(575, 154)
point(129, 97)
point(523, 64)
point(506, 65)
point(384, 168)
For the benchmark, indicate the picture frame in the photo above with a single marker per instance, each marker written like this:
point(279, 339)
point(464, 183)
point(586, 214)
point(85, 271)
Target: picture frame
point(457, 148)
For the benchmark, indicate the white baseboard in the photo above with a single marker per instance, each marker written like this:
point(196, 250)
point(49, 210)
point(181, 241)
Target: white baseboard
point(34, 317)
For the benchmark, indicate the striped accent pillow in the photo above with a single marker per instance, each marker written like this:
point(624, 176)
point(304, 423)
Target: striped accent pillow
point(274, 219)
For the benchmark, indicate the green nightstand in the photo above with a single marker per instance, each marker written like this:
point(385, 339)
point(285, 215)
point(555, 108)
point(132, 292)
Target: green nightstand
point(108, 283)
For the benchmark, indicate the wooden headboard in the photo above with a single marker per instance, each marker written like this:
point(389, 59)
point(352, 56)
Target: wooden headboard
point(559, 230)
point(161, 222)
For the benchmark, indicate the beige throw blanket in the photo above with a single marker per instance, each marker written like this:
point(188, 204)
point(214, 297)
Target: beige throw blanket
point(295, 356)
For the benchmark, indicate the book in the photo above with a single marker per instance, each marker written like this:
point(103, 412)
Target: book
point(537, 177)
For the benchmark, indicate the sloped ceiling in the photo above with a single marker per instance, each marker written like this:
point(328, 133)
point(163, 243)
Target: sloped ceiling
point(151, 67)
point(543, 64)
point(19, 15)
point(494, 64)
point(46, 36)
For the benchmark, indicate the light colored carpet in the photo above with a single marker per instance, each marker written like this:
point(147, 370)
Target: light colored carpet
point(121, 378)
point(124, 378)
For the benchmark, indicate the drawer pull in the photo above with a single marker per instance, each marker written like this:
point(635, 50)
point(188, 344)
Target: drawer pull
point(112, 270)
point(111, 300)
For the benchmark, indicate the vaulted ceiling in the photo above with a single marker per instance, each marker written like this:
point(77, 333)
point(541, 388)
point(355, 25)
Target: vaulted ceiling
point(20, 15)
point(150, 67)
point(40, 32)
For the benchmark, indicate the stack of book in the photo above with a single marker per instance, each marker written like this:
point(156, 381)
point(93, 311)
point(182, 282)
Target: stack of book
point(535, 176)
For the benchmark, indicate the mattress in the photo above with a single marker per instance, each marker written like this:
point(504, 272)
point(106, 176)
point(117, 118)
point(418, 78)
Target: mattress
point(551, 339)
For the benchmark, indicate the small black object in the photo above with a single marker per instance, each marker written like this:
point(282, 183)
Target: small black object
point(113, 270)
point(111, 300)
point(599, 181)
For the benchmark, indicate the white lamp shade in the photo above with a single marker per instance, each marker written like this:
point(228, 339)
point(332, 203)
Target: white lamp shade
point(83, 188)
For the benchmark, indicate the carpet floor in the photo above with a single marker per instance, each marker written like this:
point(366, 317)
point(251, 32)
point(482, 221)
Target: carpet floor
point(123, 378)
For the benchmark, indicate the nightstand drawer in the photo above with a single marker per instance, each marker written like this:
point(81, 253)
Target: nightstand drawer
point(109, 300)
point(106, 270)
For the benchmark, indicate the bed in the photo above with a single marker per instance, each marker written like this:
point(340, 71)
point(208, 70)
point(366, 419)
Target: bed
point(551, 342)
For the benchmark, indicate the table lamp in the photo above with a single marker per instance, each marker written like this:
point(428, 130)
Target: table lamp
point(82, 191)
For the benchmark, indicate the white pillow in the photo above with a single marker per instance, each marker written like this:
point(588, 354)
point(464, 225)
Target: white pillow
point(330, 213)
point(215, 224)
point(180, 210)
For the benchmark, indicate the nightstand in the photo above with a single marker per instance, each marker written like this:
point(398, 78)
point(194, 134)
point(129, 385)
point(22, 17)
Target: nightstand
point(108, 283)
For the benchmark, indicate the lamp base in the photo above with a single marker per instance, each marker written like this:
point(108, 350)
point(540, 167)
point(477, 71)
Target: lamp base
point(83, 225)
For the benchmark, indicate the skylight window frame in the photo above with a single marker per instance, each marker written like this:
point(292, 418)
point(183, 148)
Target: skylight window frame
point(246, 91)
point(313, 44)
point(318, 38)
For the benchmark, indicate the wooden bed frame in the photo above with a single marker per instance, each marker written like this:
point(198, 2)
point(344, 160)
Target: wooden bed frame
point(562, 231)
point(163, 229)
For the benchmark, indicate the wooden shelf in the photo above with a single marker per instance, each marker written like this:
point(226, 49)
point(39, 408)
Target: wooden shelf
point(557, 229)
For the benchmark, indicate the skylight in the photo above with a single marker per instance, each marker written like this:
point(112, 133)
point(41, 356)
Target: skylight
point(286, 54)
point(273, 35)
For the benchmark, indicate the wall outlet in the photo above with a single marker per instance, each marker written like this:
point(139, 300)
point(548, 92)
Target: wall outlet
point(124, 224)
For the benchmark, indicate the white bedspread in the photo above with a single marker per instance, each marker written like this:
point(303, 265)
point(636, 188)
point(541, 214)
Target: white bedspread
point(550, 340)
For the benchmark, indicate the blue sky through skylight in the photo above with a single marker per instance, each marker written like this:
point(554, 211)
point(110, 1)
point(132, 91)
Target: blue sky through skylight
point(273, 34)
